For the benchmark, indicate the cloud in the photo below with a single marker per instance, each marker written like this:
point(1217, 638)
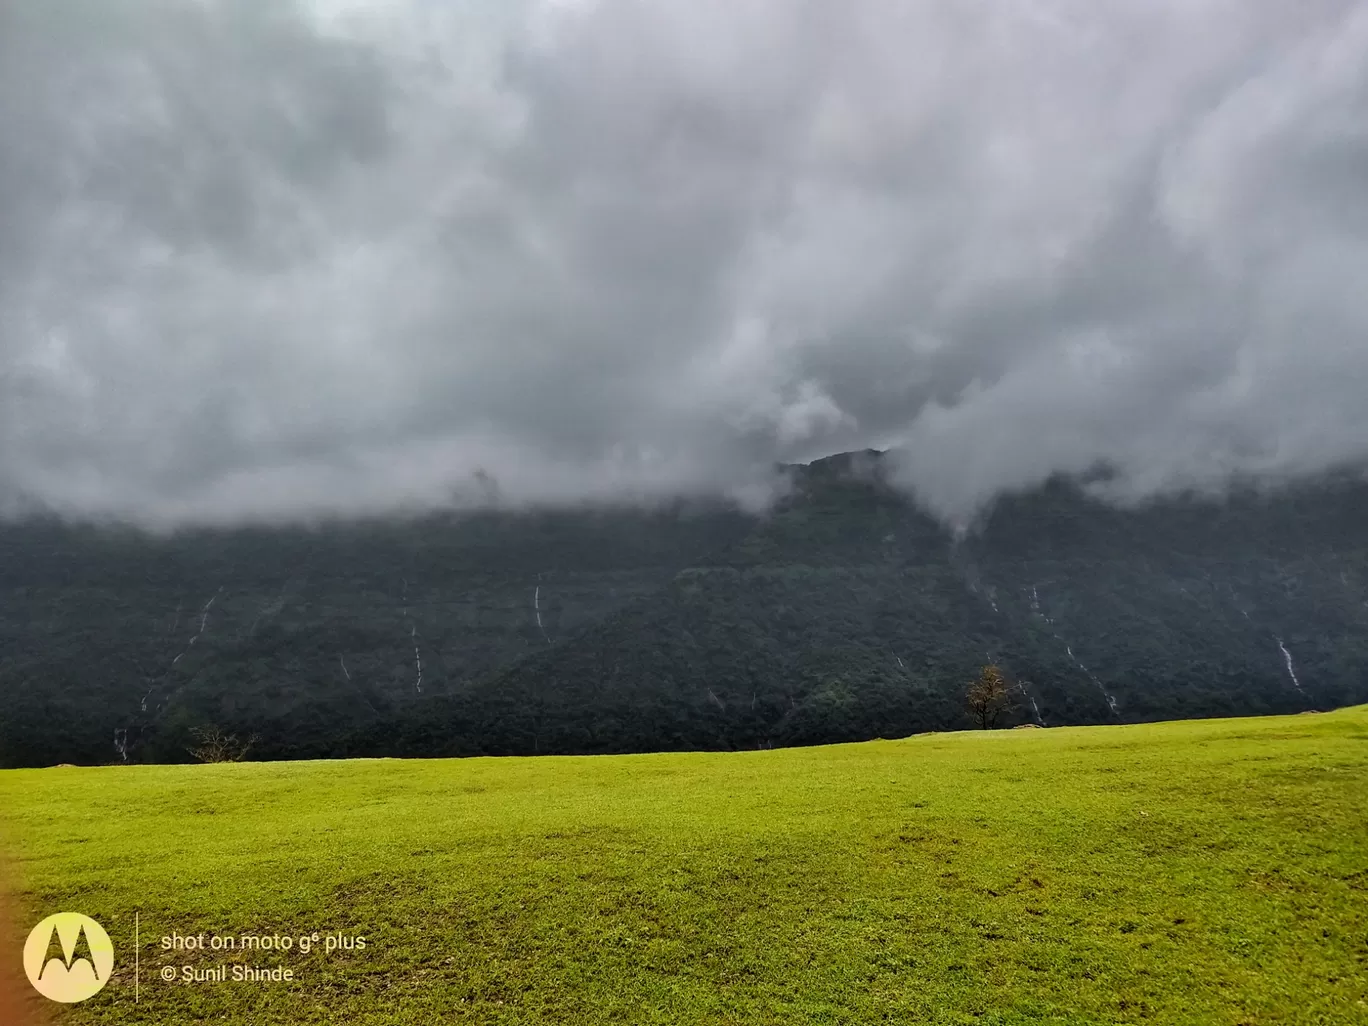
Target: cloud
point(263, 260)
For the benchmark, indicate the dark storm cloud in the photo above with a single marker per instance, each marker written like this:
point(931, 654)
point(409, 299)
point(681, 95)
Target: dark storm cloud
point(266, 260)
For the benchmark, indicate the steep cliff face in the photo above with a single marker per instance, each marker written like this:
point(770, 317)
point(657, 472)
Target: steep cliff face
point(851, 615)
point(846, 613)
point(115, 644)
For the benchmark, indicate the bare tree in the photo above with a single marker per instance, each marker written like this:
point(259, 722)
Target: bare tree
point(213, 745)
point(987, 697)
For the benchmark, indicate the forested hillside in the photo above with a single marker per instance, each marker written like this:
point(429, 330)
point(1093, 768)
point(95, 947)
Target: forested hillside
point(843, 614)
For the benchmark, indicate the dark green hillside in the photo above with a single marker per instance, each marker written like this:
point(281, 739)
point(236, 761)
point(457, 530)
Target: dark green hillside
point(850, 615)
point(1185, 608)
point(844, 614)
point(307, 635)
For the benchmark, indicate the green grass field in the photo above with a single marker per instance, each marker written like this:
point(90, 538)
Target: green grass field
point(1211, 872)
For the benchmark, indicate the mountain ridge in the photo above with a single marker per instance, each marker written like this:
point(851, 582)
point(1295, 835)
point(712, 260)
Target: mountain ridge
point(846, 612)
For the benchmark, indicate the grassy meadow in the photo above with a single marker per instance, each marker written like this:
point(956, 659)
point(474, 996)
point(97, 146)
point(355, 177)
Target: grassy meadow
point(1203, 872)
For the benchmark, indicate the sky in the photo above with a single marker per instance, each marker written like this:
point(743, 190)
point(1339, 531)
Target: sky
point(264, 261)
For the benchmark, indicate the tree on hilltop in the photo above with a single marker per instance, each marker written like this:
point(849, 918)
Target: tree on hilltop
point(987, 697)
point(215, 745)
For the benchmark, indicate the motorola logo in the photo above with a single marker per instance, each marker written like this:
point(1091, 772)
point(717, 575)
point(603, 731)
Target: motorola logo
point(68, 957)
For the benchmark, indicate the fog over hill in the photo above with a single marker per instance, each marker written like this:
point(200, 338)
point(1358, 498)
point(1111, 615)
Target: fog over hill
point(265, 261)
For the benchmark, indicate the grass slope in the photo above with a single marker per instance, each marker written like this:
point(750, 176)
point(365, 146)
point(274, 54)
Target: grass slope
point(1204, 872)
